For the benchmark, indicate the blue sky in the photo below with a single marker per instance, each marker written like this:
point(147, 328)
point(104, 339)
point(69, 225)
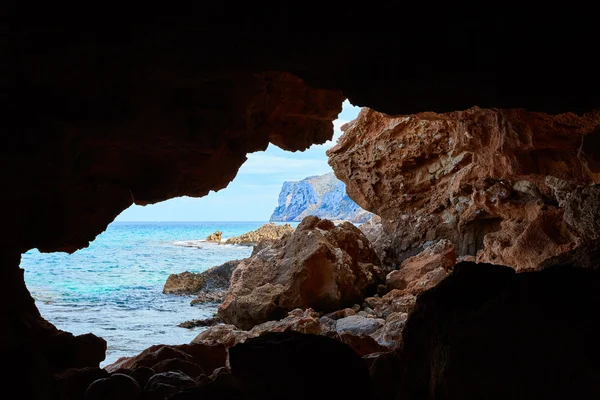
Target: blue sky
point(252, 195)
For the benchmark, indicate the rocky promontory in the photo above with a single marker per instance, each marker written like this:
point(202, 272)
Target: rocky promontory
point(267, 232)
point(323, 196)
point(509, 187)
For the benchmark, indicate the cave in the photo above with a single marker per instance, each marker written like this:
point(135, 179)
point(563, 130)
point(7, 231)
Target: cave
point(107, 107)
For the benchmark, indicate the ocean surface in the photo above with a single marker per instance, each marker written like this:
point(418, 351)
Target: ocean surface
point(113, 288)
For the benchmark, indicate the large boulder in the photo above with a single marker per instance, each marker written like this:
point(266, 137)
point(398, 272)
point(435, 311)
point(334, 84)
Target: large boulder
point(508, 187)
point(270, 231)
point(204, 283)
point(319, 266)
point(425, 270)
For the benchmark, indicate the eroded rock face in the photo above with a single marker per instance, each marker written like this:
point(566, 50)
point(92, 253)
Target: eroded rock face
point(495, 183)
point(319, 266)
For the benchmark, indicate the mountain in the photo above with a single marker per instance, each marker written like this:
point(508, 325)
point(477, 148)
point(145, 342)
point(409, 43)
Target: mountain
point(323, 195)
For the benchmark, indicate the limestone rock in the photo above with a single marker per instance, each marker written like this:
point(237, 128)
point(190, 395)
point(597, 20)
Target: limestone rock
point(270, 231)
point(215, 237)
point(322, 195)
point(425, 270)
point(390, 334)
point(183, 283)
point(493, 182)
point(226, 335)
point(303, 321)
point(319, 266)
point(214, 279)
point(394, 301)
point(358, 326)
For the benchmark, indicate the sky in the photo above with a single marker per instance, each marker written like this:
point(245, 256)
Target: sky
point(253, 194)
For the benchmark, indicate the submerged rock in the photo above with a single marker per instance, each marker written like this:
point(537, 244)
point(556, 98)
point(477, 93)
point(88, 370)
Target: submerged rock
point(270, 231)
point(319, 266)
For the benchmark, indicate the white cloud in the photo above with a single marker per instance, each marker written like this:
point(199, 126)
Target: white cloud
point(266, 164)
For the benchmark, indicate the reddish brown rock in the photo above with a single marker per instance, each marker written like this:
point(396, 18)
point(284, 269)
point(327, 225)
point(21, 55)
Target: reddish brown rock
point(425, 270)
point(267, 232)
point(208, 356)
point(362, 338)
point(183, 283)
point(319, 266)
point(303, 321)
point(493, 182)
point(394, 301)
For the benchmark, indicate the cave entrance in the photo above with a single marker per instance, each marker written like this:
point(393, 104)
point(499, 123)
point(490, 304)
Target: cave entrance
point(114, 287)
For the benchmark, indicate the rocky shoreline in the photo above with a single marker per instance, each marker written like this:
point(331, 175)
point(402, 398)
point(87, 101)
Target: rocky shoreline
point(408, 304)
point(321, 280)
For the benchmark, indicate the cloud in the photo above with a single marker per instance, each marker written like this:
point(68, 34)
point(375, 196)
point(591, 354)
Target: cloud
point(267, 164)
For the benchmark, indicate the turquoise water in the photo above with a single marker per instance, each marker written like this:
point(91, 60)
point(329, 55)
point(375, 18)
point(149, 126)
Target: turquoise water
point(113, 288)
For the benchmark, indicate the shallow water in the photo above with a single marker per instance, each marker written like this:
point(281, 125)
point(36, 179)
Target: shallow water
point(113, 288)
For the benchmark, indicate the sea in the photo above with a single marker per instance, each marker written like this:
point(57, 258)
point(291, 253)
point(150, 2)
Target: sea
point(113, 288)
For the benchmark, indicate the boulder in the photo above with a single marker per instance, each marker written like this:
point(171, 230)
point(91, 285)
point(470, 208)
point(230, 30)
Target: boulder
point(184, 283)
point(319, 266)
point(116, 387)
point(208, 284)
point(270, 231)
point(215, 237)
point(358, 326)
point(390, 334)
point(165, 384)
point(425, 270)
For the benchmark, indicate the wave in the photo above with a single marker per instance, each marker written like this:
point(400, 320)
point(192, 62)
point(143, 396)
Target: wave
point(190, 243)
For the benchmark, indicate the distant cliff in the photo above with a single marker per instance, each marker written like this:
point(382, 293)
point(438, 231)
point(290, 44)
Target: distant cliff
point(324, 196)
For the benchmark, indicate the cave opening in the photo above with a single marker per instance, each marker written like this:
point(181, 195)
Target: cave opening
point(99, 116)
